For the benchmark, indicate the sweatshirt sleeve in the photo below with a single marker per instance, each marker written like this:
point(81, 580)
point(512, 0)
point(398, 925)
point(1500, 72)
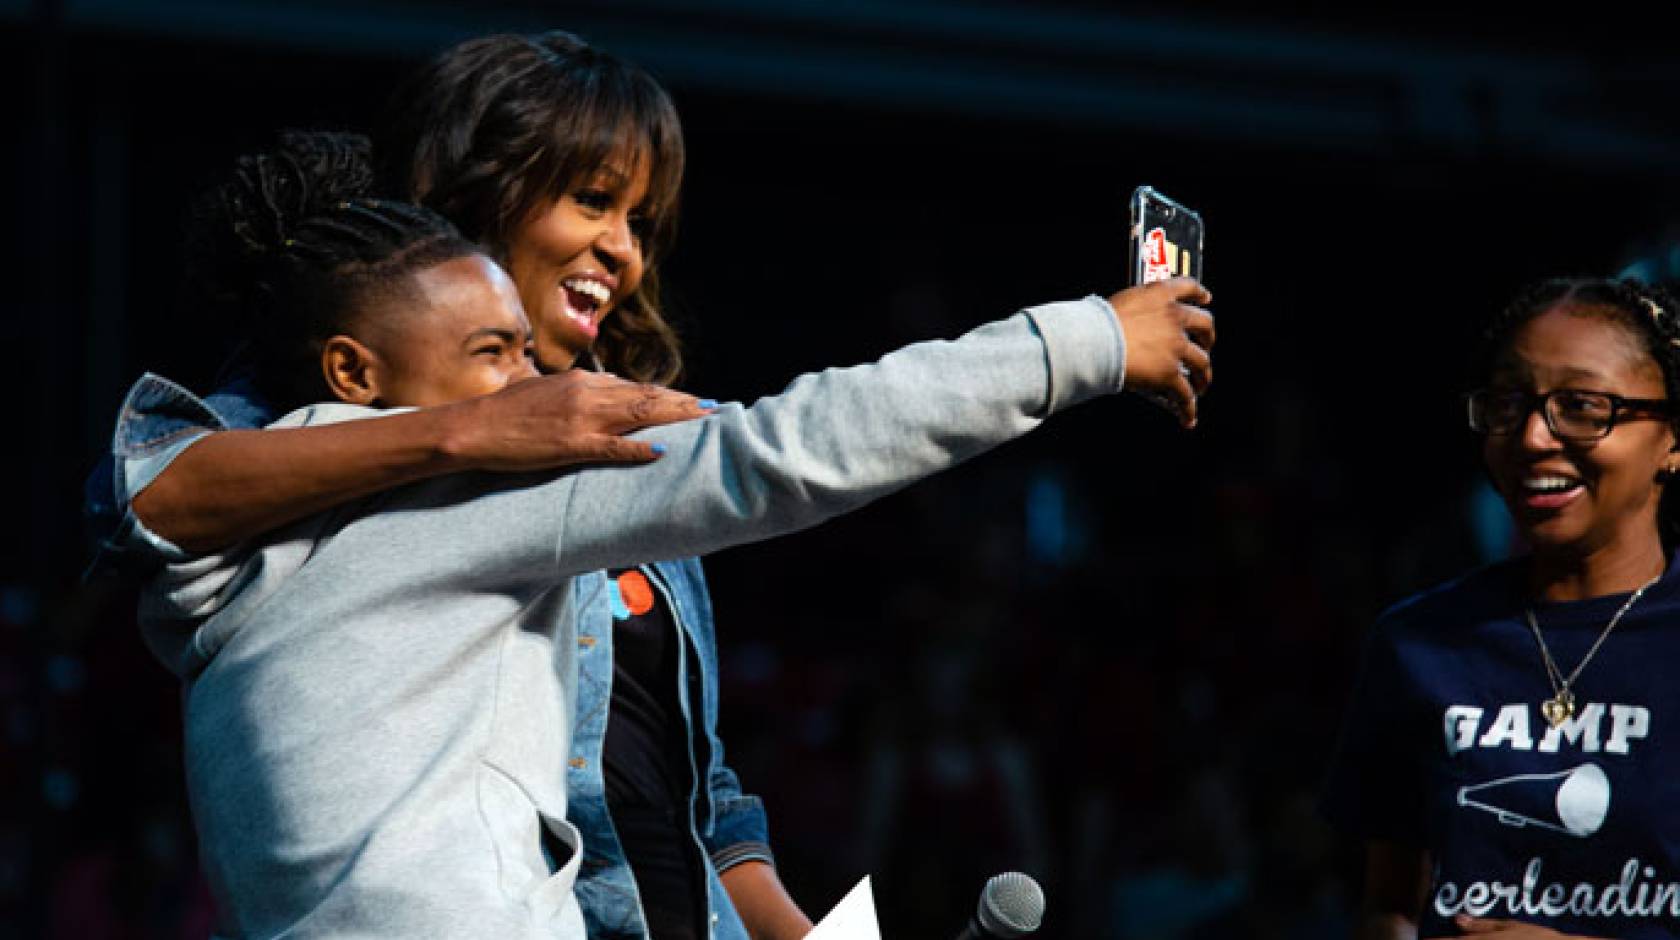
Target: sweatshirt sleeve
point(831, 442)
point(838, 439)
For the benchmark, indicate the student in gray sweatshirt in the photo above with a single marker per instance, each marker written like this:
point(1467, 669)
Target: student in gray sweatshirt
point(377, 696)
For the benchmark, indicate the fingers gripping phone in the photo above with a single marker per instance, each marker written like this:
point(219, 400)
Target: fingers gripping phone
point(1166, 238)
point(1165, 242)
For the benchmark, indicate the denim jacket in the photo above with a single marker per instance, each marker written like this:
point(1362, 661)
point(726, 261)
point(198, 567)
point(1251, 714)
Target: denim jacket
point(157, 421)
point(728, 825)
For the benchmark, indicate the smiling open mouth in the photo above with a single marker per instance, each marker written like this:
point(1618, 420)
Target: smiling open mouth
point(1549, 491)
point(585, 298)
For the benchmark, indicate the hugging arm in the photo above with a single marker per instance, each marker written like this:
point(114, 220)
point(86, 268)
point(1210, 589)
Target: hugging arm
point(232, 485)
point(205, 491)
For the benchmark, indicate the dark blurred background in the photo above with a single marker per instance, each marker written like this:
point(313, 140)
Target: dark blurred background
point(1112, 655)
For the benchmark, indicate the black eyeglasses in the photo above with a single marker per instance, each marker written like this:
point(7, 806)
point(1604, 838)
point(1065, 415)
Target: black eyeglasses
point(1571, 414)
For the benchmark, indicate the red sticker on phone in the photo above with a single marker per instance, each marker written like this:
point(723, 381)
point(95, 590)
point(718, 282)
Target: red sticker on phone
point(1156, 267)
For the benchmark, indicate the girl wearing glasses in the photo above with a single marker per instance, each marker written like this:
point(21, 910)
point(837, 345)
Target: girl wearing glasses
point(1509, 759)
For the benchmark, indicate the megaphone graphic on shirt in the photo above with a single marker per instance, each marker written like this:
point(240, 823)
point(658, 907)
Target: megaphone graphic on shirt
point(1569, 801)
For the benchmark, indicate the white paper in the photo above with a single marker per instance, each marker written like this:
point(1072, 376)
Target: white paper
point(852, 919)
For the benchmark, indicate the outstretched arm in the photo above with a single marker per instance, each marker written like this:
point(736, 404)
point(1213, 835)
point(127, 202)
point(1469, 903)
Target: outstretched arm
point(838, 439)
point(232, 485)
point(832, 442)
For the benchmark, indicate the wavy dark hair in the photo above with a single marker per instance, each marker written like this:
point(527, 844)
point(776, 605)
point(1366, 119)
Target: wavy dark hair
point(497, 127)
point(1646, 311)
point(291, 244)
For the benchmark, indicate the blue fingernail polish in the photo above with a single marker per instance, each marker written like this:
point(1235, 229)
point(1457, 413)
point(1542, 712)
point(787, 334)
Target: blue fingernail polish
point(658, 449)
point(708, 404)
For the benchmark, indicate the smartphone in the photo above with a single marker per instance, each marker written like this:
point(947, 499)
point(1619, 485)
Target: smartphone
point(1166, 238)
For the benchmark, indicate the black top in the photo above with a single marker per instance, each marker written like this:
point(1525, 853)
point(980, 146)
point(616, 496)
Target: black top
point(647, 768)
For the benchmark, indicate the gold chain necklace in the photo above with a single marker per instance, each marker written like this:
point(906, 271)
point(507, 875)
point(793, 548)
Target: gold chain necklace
point(1561, 706)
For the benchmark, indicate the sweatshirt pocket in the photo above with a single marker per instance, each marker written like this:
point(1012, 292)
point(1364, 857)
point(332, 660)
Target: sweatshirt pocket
point(542, 881)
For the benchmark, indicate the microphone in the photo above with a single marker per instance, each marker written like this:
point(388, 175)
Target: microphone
point(1011, 905)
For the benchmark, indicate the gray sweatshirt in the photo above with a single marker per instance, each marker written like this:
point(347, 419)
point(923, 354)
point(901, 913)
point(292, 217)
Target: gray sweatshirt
point(376, 726)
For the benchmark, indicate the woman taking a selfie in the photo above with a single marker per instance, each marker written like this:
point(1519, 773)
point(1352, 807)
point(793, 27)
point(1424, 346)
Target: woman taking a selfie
point(564, 162)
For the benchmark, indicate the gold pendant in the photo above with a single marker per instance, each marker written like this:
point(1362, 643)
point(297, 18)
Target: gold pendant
point(1559, 708)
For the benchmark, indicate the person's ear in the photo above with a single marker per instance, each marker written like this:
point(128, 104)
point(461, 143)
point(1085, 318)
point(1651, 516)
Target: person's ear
point(352, 370)
point(1671, 465)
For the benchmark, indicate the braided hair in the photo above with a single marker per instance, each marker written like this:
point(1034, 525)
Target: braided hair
point(498, 126)
point(292, 244)
point(1646, 311)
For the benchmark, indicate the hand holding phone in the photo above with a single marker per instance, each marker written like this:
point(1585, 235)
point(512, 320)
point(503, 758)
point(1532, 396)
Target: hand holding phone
point(1168, 334)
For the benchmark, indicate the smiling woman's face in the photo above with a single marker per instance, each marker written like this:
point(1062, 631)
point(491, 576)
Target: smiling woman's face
point(576, 259)
point(1579, 498)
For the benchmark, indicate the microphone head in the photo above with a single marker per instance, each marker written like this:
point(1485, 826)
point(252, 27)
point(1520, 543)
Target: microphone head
point(1012, 905)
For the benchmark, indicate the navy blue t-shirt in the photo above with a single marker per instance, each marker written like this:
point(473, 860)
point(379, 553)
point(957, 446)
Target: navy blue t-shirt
point(1445, 747)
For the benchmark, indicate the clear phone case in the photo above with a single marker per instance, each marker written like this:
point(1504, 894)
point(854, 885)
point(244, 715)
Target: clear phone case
point(1166, 238)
